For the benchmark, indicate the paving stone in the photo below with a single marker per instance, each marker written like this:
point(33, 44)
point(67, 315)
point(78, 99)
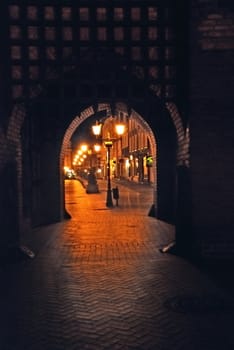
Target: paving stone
point(98, 281)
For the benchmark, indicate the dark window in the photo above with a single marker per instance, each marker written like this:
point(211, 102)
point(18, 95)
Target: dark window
point(135, 14)
point(16, 72)
point(67, 33)
point(136, 33)
point(153, 53)
point(101, 13)
point(121, 90)
point(86, 91)
point(17, 91)
point(16, 52)
point(49, 13)
point(84, 13)
point(104, 91)
point(33, 52)
point(70, 91)
point(51, 53)
point(49, 33)
point(136, 53)
point(84, 33)
point(14, 11)
point(118, 33)
point(153, 72)
point(32, 33)
point(32, 12)
point(33, 72)
point(15, 32)
point(102, 33)
point(152, 13)
point(152, 33)
point(118, 13)
point(66, 13)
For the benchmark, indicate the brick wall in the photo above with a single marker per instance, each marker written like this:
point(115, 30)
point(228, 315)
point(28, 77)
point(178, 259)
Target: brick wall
point(9, 203)
point(211, 117)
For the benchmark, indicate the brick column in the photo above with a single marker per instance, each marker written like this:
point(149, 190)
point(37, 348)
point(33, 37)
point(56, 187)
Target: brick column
point(212, 126)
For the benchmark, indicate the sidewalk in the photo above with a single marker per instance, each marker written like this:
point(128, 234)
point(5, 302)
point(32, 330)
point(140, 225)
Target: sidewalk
point(99, 281)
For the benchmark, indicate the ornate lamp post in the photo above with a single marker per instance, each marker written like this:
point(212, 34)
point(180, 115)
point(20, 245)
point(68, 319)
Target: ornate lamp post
point(108, 142)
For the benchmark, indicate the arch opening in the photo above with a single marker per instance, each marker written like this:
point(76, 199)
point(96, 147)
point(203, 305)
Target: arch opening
point(91, 113)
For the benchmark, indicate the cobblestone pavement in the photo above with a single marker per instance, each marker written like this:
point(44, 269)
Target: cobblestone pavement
point(98, 281)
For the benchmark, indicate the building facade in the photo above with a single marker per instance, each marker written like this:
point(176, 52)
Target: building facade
point(170, 62)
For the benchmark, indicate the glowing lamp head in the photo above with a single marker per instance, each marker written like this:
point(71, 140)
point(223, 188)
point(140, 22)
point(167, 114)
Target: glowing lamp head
point(120, 129)
point(97, 128)
point(97, 148)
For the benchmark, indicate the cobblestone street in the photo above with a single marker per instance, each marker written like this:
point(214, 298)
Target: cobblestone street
point(99, 281)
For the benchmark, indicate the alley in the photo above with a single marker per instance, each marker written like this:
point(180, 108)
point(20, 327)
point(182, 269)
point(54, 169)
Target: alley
point(99, 281)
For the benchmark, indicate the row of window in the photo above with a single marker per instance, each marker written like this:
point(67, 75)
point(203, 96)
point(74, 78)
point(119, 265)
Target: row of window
point(136, 53)
point(50, 13)
point(168, 72)
point(168, 91)
point(102, 33)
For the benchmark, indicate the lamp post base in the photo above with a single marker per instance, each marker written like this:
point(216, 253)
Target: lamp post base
point(109, 202)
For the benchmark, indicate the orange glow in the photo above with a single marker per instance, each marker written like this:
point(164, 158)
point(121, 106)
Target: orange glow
point(97, 147)
point(120, 129)
point(97, 129)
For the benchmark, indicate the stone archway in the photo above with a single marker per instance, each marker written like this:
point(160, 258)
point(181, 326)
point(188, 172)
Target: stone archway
point(164, 160)
point(87, 113)
point(162, 123)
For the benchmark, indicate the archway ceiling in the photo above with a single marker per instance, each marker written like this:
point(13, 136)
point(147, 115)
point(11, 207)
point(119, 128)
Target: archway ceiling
point(98, 69)
point(64, 99)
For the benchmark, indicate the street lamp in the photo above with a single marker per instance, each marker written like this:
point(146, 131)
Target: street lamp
point(108, 142)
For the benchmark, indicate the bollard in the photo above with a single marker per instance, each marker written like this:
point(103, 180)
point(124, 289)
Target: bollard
point(116, 195)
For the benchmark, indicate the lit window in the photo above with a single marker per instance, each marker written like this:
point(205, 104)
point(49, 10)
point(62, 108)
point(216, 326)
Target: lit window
point(49, 33)
point(33, 72)
point(49, 13)
point(50, 53)
point(84, 13)
point(135, 13)
point(153, 53)
point(16, 72)
point(119, 33)
point(152, 13)
point(67, 33)
point(14, 11)
point(136, 53)
point(152, 33)
point(15, 52)
point(101, 14)
point(84, 33)
point(118, 14)
point(101, 33)
point(136, 33)
point(33, 33)
point(15, 32)
point(66, 13)
point(33, 52)
point(32, 12)
point(153, 72)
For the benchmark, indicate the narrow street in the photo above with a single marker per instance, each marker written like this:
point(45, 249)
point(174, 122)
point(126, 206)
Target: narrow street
point(98, 281)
